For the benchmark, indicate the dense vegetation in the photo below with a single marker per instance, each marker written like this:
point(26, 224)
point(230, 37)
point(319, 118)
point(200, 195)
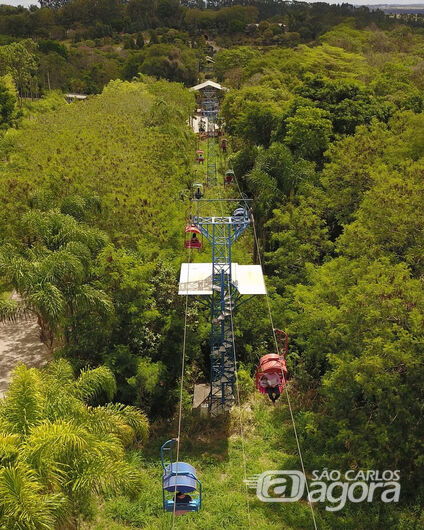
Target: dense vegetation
point(336, 180)
point(80, 45)
point(328, 138)
point(90, 214)
point(57, 451)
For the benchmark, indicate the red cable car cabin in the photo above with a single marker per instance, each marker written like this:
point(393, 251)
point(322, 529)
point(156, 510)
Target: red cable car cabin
point(273, 366)
point(229, 176)
point(200, 156)
point(191, 239)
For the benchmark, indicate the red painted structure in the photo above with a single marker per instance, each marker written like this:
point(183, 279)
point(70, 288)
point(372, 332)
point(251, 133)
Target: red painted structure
point(191, 239)
point(274, 363)
point(200, 156)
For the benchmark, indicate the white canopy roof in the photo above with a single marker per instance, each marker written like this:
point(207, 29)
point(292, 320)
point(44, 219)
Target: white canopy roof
point(76, 96)
point(208, 84)
point(196, 279)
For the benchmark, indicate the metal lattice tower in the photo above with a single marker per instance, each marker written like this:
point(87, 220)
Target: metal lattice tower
point(210, 109)
point(220, 285)
point(222, 232)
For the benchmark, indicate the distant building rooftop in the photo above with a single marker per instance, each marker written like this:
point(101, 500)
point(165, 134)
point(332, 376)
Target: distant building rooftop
point(208, 84)
point(70, 97)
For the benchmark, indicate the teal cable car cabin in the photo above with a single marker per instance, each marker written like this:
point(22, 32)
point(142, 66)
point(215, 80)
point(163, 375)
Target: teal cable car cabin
point(179, 477)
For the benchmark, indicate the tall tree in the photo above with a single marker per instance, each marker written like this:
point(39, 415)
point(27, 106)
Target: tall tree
point(18, 59)
point(56, 451)
point(8, 102)
point(308, 132)
point(53, 4)
point(51, 271)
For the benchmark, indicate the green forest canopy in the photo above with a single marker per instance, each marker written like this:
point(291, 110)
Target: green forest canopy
point(80, 45)
point(328, 140)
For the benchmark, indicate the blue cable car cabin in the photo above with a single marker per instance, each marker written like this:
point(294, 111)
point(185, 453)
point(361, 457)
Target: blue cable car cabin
point(241, 213)
point(179, 478)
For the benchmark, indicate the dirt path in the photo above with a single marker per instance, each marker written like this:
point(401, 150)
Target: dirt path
point(20, 343)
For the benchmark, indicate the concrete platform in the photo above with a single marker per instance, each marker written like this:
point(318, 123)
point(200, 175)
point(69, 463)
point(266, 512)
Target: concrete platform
point(201, 398)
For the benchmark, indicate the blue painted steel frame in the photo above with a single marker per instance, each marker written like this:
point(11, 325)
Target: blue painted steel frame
point(194, 506)
point(210, 110)
point(222, 232)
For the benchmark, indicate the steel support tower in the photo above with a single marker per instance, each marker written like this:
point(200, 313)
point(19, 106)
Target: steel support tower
point(210, 110)
point(222, 232)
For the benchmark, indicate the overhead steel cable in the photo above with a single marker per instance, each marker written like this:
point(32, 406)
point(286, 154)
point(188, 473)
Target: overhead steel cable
point(180, 407)
point(237, 384)
point(299, 450)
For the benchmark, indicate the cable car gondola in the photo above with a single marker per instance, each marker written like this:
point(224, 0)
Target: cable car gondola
point(271, 374)
point(178, 480)
point(200, 156)
point(229, 176)
point(197, 190)
point(241, 215)
point(224, 145)
point(191, 239)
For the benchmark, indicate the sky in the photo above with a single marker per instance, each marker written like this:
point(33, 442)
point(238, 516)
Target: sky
point(27, 3)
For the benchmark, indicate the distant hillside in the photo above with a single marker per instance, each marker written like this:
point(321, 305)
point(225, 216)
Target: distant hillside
point(409, 9)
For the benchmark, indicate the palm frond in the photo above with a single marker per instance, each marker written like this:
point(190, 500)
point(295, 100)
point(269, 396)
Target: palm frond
point(10, 310)
point(81, 251)
point(90, 299)
point(59, 229)
point(93, 382)
point(133, 417)
point(33, 224)
point(61, 371)
point(51, 448)
point(15, 268)
point(108, 477)
point(9, 447)
point(24, 504)
point(49, 301)
point(61, 268)
point(60, 403)
point(95, 239)
point(23, 405)
point(126, 423)
point(101, 421)
point(119, 476)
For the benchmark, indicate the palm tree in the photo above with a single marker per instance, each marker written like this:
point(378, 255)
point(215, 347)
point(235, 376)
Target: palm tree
point(51, 270)
point(24, 504)
point(57, 452)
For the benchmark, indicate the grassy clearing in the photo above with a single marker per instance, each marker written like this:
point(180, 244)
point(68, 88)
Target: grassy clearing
point(214, 447)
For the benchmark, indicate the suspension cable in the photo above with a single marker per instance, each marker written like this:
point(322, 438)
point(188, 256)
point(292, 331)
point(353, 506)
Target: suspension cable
point(240, 410)
point(180, 408)
point(237, 383)
point(299, 450)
